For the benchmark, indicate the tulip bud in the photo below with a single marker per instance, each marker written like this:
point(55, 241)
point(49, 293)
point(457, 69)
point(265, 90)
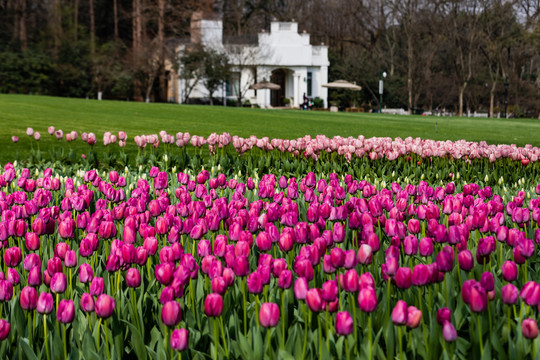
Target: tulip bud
point(133, 278)
point(66, 311)
point(269, 315)
point(344, 323)
point(529, 328)
point(44, 303)
point(97, 286)
point(413, 317)
point(400, 313)
point(58, 283)
point(28, 298)
point(87, 303)
point(104, 306)
point(180, 339)
point(509, 294)
point(213, 305)
point(171, 313)
point(314, 300)
point(301, 288)
point(509, 270)
point(449, 332)
point(367, 299)
point(4, 329)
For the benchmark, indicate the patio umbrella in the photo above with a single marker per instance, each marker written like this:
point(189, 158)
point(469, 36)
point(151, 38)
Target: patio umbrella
point(343, 84)
point(265, 85)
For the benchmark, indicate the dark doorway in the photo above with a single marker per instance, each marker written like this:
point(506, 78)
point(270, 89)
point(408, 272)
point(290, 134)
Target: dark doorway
point(277, 96)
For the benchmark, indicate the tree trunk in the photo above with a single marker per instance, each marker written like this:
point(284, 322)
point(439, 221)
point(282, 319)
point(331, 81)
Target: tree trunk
point(92, 28)
point(492, 98)
point(22, 26)
point(115, 14)
point(76, 20)
point(461, 94)
point(161, 42)
point(410, 59)
point(137, 43)
point(57, 26)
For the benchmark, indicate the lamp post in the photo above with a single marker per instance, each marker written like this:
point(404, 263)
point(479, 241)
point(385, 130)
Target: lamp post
point(506, 97)
point(382, 75)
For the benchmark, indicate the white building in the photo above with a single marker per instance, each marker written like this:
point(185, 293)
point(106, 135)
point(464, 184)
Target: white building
point(282, 56)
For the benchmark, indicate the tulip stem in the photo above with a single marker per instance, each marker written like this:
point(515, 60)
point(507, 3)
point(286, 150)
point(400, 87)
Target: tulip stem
point(30, 327)
point(320, 333)
point(223, 337)
point(245, 316)
point(98, 334)
point(216, 338)
point(45, 339)
point(353, 306)
point(480, 335)
point(108, 353)
point(307, 320)
point(370, 335)
point(283, 319)
point(400, 343)
point(347, 355)
point(65, 342)
point(135, 312)
point(257, 310)
point(70, 285)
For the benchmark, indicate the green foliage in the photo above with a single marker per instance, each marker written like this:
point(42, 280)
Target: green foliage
point(26, 73)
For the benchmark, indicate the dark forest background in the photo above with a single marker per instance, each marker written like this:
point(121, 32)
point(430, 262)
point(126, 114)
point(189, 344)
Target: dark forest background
point(458, 56)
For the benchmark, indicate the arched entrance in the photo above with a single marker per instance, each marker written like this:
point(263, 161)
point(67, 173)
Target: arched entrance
point(276, 96)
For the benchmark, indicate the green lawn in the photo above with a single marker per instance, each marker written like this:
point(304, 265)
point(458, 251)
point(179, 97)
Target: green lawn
point(17, 112)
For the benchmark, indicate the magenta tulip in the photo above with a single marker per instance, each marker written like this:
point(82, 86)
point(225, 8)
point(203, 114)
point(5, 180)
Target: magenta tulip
point(344, 323)
point(367, 299)
point(180, 339)
point(104, 306)
point(529, 328)
point(269, 315)
point(4, 329)
point(213, 305)
point(28, 298)
point(87, 303)
point(449, 332)
point(400, 313)
point(44, 303)
point(171, 313)
point(66, 311)
point(58, 283)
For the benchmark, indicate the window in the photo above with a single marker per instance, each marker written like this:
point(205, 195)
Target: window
point(232, 86)
point(309, 83)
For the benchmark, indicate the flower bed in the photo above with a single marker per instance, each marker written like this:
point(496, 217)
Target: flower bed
point(159, 264)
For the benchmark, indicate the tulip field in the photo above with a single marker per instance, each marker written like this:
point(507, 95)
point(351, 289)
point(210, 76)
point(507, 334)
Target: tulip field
point(225, 247)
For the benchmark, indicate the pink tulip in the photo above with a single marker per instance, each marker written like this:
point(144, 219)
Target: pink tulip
point(104, 306)
point(66, 311)
point(529, 328)
point(4, 329)
point(28, 298)
point(400, 313)
point(269, 315)
point(171, 313)
point(45, 303)
point(213, 305)
point(344, 323)
point(180, 339)
point(87, 303)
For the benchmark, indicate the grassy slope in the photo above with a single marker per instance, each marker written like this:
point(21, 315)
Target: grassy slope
point(17, 112)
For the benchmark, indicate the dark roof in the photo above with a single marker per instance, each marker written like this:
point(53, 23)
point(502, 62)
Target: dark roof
point(248, 39)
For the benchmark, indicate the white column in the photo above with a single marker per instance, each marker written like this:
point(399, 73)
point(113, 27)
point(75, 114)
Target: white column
point(323, 92)
point(295, 90)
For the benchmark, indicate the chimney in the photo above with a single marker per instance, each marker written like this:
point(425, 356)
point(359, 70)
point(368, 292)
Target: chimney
point(195, 27)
